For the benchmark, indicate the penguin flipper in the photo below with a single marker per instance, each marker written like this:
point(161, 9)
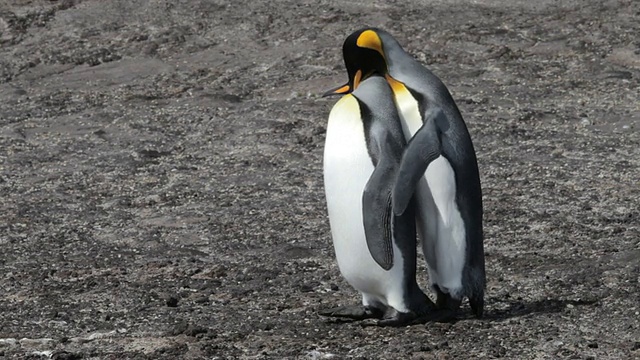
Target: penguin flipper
point(377, 217)
point(424, 147)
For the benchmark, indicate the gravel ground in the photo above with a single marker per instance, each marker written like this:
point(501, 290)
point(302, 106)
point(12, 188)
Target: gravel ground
point(161, 177)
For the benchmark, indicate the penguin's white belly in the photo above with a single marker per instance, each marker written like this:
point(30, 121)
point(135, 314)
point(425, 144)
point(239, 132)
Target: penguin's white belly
point(347, 169)
point(440, 224)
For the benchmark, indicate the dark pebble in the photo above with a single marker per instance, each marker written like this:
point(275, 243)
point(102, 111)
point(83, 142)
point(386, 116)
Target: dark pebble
point(64, 355)
point(172, 301)
point(201, 300)
point(194, 330)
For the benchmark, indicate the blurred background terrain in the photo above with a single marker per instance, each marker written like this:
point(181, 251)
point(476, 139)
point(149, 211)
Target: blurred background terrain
point(161, 177)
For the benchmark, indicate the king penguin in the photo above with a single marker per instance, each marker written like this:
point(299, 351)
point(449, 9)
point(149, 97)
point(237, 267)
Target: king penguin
point(438, 169)
point(375, 248)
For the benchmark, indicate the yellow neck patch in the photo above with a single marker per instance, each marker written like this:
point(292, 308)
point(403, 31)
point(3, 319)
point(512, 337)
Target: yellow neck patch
point(370, 40)
point(396, 85)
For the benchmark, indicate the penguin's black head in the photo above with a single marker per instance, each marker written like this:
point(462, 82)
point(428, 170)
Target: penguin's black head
point(363, 56)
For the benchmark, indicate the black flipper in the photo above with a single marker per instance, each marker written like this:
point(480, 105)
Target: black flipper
point(424, 147)
point(376, 209)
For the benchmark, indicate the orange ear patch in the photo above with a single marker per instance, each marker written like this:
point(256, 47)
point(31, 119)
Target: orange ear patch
point(370, 40)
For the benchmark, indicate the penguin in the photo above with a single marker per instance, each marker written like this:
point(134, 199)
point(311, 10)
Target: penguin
point(438, 169)
point(375, 248)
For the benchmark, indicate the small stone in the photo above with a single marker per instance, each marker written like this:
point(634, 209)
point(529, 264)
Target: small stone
point(180, 328)
point(201, 300)
point(593, 345)
point(36, 343)
point(8, 342)
point(150, 49)
point(193, 330)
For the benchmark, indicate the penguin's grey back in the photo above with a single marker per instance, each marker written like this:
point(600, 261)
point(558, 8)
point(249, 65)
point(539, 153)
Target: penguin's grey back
point(430, 91)
point(406, 69)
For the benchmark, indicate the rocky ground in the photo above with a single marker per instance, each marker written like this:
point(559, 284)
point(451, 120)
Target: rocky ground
point(161, 177)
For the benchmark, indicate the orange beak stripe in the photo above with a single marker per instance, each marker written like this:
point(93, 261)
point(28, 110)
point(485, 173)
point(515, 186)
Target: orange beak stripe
point(343, 90)
point(340, 90)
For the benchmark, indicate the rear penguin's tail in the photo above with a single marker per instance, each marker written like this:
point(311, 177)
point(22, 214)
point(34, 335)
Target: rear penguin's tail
point(477, 303)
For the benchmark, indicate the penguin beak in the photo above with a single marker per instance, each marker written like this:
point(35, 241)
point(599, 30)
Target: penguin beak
point(346, 88)
point(340, 90)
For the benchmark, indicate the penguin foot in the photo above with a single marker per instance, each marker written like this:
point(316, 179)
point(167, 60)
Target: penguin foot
point(442, 316)
point(395, 318)
point(355, 312)
point(420, 309)
point(447, 307)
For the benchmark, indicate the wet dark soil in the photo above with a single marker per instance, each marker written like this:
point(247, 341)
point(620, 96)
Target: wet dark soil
point(161, 177)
